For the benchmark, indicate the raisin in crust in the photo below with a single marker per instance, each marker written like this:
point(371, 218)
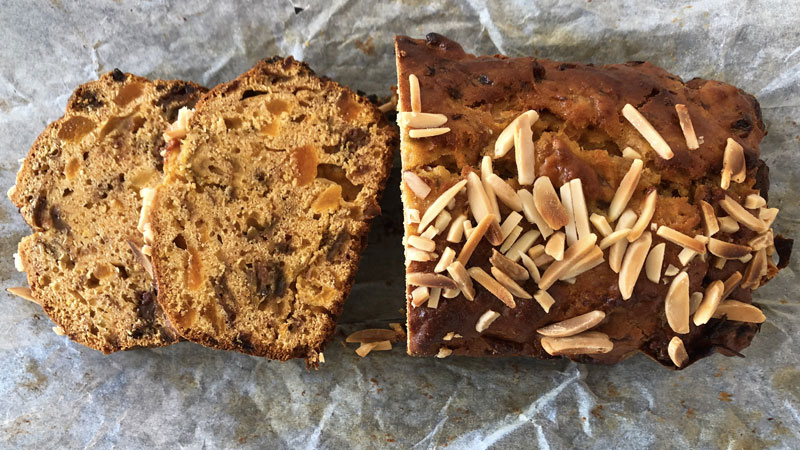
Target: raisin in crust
point(263, 214)
point(579, 132)
point(78, 189)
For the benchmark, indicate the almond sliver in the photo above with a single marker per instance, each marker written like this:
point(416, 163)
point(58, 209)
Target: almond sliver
point(632, 264)
point(421, 120)
point(532, 214)
point(504, 192)
point(677, 304)
point(505, 140)
point(417, 185)
point(711, 299)
point(687, 127)
point(573, 326)
point(625, 190)
point(654, 262)
point(648, 132)
point(646, 214)
point(414, 93)
point(548, 205)
point(741, 215)
point(440, 203)
point(709, 218)
point(677, 352)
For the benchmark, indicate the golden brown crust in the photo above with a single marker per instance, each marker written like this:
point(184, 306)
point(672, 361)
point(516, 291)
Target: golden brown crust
point(78, 189)
point(580, 133)
point(264, 212)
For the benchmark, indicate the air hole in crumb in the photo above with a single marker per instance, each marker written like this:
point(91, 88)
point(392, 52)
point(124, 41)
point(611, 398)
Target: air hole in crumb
point(92, 282)
point(122, 271)
point(180, 242)
point(66, 193)
point(233, 123)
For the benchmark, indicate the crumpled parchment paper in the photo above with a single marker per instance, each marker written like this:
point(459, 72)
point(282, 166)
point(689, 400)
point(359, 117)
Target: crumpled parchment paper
point(54, 393)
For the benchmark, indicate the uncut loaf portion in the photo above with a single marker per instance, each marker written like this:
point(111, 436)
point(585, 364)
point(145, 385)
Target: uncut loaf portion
point(79, 189)
point(258, 227)
point(571, 210)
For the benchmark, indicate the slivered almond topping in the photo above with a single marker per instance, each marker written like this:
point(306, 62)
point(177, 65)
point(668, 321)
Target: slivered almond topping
point(18, 264)
point(391, 105)
point(468, 228)
point(444, 352)
point(617, 251)
point(432, 280)
point(676, 304)
point(474, 238)
point(572, 255)
point(427, 132)
point(728, 225)
point(372, 335)
point(456, 231)
point(536, 251)
point(447, 258)
point(719, 263)
point(486, 170)
point(511, 222)
point(442, 220)
point(449, 336)
point(676, 237)
point(419, 296)
point(440, 203)
point(491, 285)
point(532, 214)
point(544, 299)
point(511, 239)
point(739, 312)
point(591, 260)
point(179, 128)
point(430, 232)
point(694, 302)
point(480, 207)
point(741, 215)
point(625, 190)
point(754, 271)
point(711, 298)
point(22, 292)
point(586, 343)
point(671, 271)
point(364, 349)
point(451, 204)
point(509, 267)
point(579, 208)
point(142, 259)
point(632, 264)
point(686, 256)
point(504, 192)
point(433, 300)
point(59, 331)
point(761, 241)
point(555, 246)
point(422, 243)
point(397, 328)
point(524, 153)
point(421, 120)
point(687, 127)
point(709, 218)
point(655, 260)
point(508, 283)
point(450, 293)
point(601, 224)
point(485, 320)
point(727, 250)
point(548, 205)
point(413, 215)
point(531, 266)
point(648, 209)
point(648, 132)
point(414, 93)
point(543, 260)
point(462, 279)
point(414, 254)
point(613, 238)
point(676, 349)
point(522, 245)
point(733, 164)
point(570, 230)
point(768, 215)
point(505, 140)
point(417, 185)
point(754, 201)
point(573, 326)
point(630, 153)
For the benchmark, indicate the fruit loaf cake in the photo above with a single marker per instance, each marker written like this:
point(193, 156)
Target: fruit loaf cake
point(258, 227)
point(590, 212)
point(79, 189)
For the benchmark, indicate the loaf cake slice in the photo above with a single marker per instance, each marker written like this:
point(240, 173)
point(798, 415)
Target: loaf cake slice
point(591, 212)
point(78, 189)
point(258, 227)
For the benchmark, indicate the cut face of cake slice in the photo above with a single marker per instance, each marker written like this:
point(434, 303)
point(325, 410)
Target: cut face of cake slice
point(79, 189)
point(561, 209)
point(259, 225)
